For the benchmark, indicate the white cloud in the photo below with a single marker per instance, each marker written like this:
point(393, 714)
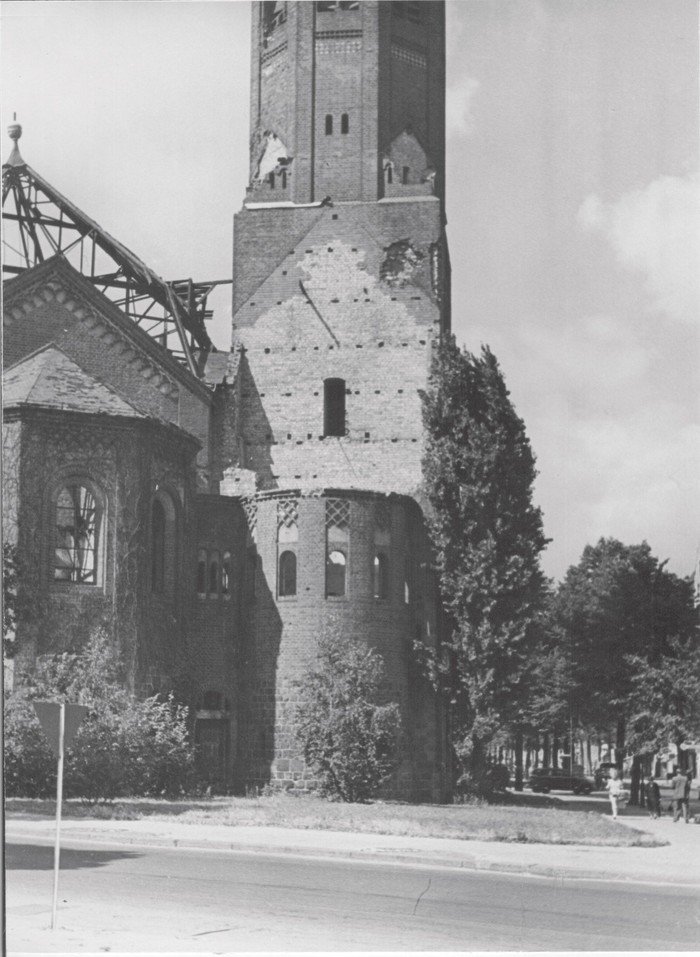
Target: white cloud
point(656, 230)
point(458, 111)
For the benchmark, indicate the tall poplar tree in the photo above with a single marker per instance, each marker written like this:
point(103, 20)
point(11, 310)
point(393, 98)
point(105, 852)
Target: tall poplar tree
point(479, 471)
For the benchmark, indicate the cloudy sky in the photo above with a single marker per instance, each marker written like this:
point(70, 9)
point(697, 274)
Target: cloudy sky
point(572, 208)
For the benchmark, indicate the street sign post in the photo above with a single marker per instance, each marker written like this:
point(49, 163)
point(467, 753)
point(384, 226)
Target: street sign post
point(60, 722)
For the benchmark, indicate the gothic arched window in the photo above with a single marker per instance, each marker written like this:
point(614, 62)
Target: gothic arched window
point(77, 535)
point(287, 575)
point(158, 524)
point(163, 543)
point(380, 569)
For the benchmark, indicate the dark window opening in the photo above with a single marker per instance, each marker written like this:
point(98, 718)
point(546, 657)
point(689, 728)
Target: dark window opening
point(226, 575)
point(404, 175)
point(380, 576)
point(202, 573)
point(287, 575)
point(344, 123)
point(271, 180)
point(329, 124)
point(75, 557)
point(335, 574)
point(157, 547)
point(214, 574)
point(274, 14)
point(389, 173)
point(283, 175)
point(334, 407)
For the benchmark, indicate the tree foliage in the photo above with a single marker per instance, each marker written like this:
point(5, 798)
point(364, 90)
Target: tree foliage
point(347, 735)
point(10, 581)
point(620, 615)
point(125, 746)
point(479, 471)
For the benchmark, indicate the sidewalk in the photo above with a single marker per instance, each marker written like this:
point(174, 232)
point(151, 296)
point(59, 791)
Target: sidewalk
point(676, 863)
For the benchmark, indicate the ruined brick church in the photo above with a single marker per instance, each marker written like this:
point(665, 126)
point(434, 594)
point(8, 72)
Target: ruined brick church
point(217, 511)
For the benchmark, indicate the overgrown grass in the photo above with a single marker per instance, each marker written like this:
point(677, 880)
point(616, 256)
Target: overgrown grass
point(527, 825)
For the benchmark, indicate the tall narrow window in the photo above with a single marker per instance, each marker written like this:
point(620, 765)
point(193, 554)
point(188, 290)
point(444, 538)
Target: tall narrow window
point(77, 536)
point(334, 407)
point(329, 124)
point(344, 123)
point(404, 175)
point(283, 177)
point(287, 538)
point(271, 180)
point(214, 575)
point(379, 575)
point(337, 546)
point(389, 170)
point(163, 543)
point(202, 573)
point(287, 579)
point(226, 575)
point(158, 525)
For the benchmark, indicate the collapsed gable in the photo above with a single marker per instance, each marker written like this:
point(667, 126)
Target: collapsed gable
point(53, 303)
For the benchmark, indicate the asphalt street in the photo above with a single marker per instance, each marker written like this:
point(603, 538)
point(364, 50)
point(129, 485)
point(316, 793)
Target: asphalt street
point(166, 900)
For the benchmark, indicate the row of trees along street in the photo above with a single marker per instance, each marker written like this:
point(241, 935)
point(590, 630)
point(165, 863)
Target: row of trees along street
point(609, 654)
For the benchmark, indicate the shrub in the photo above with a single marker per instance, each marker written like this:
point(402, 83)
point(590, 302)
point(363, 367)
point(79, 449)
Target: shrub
point(125, 746)
point(347, 736)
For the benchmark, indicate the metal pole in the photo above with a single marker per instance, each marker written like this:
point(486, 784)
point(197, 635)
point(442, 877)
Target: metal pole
point(59, 802)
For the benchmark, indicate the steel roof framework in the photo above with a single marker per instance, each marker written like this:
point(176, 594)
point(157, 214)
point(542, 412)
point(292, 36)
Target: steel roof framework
point(38, 222)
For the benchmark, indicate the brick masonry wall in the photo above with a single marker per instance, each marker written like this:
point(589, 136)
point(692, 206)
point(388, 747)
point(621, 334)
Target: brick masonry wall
point(355, 300)
point(125, 460)
point(281, 644)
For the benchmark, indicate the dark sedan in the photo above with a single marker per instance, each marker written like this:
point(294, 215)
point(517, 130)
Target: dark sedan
point(544, 780)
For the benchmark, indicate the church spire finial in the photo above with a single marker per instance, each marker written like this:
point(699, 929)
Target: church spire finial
point(15, 131)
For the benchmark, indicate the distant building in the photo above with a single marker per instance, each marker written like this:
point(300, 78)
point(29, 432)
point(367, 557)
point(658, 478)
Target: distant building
point(218, 511)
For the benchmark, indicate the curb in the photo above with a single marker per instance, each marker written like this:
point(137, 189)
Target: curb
point(466, 862)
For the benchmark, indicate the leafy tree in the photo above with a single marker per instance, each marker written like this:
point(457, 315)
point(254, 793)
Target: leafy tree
point(664, 704)
point(347, 736)
point(619, 612)
point(479, 471)
point(10, 582)
point(125, 746)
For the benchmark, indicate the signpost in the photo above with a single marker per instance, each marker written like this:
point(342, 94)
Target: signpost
point(59, 721)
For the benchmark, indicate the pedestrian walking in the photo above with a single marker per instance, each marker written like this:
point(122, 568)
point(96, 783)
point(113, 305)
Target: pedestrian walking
point(680, 786)
point(614, 789)
point(653, 796)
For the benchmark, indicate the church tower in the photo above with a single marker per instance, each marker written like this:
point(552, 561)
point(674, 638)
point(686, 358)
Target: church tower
point(341, 288)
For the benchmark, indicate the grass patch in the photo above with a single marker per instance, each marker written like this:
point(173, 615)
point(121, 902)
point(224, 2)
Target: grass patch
point(488, 822)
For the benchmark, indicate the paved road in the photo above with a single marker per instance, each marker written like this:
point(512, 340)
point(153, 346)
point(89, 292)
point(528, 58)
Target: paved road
point(173, 900)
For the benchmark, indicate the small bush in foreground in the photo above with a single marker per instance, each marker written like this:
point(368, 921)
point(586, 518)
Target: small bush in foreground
point(347, 737)
point(125, 745)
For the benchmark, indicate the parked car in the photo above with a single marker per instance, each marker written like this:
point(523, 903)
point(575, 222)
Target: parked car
point(602, 774)
point(543, 780)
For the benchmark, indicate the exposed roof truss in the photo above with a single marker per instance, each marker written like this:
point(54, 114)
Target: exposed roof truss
point(38, 222)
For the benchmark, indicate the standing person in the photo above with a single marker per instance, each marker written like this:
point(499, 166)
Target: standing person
point(614, 789)
point(679, 783)
point(653, 796)
point(686, 796)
